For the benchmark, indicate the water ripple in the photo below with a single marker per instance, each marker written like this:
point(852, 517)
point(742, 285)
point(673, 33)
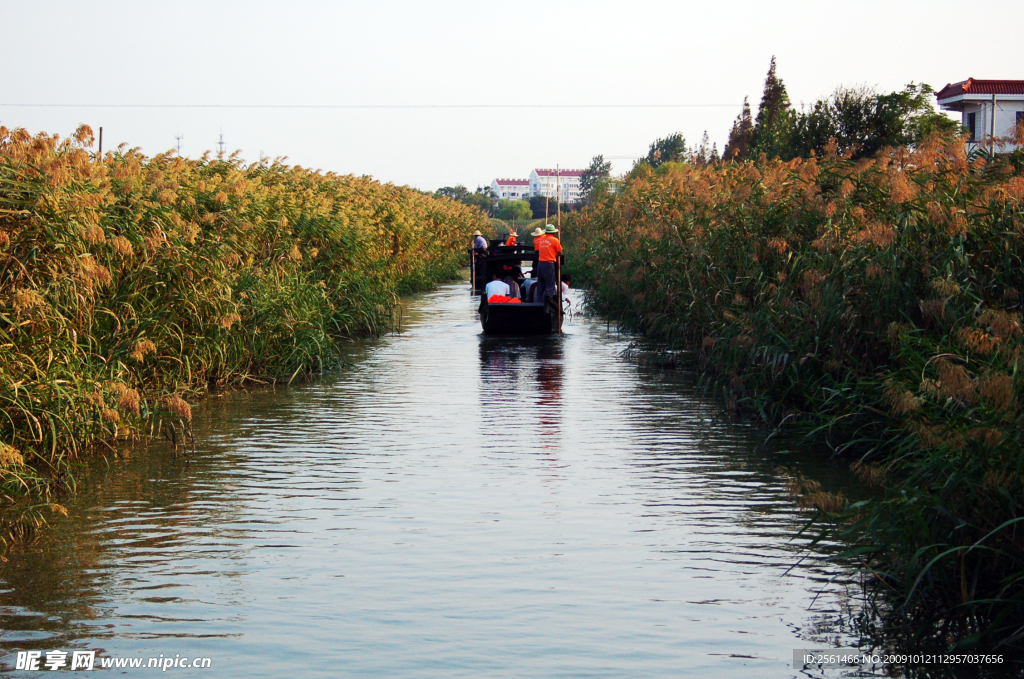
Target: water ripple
point(451, 506)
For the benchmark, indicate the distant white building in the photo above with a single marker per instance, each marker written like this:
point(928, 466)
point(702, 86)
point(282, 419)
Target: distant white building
point(986, 106)
point(544, 182)
point(511, 189)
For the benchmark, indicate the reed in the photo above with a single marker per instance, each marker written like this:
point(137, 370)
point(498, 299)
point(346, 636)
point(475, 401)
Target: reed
point(876, 305)
point(129, 285)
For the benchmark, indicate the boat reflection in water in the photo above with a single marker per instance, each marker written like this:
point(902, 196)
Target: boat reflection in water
point(521, 391)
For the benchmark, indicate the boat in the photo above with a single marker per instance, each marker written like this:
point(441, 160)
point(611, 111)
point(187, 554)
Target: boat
point(512, 318)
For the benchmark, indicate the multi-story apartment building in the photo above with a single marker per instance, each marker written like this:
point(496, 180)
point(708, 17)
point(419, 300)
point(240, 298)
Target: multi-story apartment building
point(544, 182)
point(511, 189)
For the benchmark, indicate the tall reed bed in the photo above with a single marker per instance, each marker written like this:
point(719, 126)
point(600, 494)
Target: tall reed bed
point(129, 284)
point(878, 303)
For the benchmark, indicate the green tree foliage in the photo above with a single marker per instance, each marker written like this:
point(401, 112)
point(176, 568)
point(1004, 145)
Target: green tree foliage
point(483, 198)
point(862, 122)
point(598, 170)
point(671, 149)
point(479, 200)
point(537, 206)
point(457, 192)
point(514, 209)
point(773, 129)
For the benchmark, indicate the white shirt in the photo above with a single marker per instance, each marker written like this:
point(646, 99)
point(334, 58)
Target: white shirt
point(497, 288)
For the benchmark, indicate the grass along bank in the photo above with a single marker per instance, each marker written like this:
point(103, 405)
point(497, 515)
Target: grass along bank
point(130, 284)
point(877, 304)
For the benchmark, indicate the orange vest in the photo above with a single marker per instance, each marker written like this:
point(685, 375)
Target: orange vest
point(511, 240)
point(548, 248)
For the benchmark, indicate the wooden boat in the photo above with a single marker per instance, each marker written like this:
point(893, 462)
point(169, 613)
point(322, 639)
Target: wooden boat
point(512, 318)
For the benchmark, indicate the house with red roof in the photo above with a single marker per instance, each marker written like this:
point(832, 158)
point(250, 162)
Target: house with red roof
point(990, 110)
point(511, 189)
point(566, 183)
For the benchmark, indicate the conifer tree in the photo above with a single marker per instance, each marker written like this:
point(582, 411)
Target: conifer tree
point(740, 136)
point(598, 170)
point(702, 155)
point(773, 129)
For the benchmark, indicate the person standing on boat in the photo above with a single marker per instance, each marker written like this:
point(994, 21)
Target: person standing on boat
point(512, 238)
point(537, 233)
point(549, 249)
point(479, 244)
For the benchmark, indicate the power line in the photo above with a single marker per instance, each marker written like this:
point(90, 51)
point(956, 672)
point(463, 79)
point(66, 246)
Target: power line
point(377, 106)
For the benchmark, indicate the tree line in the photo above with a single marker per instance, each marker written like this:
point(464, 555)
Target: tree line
point(856, 122)
point(491, 205)
point(852, 122)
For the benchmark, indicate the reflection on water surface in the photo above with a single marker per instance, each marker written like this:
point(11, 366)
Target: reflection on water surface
point(451, 506)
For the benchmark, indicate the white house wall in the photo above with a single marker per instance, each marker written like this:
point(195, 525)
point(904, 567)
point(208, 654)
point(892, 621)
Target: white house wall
point(1007, 107)
point(569, 186)
point(510, 191)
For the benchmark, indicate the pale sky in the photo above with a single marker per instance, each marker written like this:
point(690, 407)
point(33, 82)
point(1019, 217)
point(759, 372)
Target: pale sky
point(399, 53)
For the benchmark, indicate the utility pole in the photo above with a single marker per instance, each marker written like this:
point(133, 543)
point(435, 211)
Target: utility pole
point(99, 155)
point(558, 258)
point(992, 142)
point(547, 198)
point(558, 197)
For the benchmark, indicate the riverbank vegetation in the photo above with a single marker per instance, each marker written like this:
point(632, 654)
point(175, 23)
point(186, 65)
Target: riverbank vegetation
point(873, 301)
point(129, 285)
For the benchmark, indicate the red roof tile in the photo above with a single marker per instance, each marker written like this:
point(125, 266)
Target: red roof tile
point(972, 86)
point(561, 173)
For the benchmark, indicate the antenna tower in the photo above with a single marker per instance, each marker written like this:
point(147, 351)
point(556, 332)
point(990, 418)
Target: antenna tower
point(220, 147)
point(179, 137)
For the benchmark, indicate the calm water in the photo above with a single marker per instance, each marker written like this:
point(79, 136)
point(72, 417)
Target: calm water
point(451, 506)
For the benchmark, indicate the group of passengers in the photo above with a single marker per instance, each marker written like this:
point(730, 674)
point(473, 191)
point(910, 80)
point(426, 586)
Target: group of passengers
point(510, 284)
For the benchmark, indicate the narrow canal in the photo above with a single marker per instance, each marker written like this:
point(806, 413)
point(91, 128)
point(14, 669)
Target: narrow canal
point(449, 506)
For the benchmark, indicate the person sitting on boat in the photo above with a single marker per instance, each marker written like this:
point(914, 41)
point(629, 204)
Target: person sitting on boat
point(511, 269)
point(497, 287)
point(549, 249)
point(566, 282)
point(513, 287)
point(512, 238)
point(526, 288)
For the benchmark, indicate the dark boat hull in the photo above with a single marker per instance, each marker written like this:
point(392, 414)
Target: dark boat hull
point(517, 319)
